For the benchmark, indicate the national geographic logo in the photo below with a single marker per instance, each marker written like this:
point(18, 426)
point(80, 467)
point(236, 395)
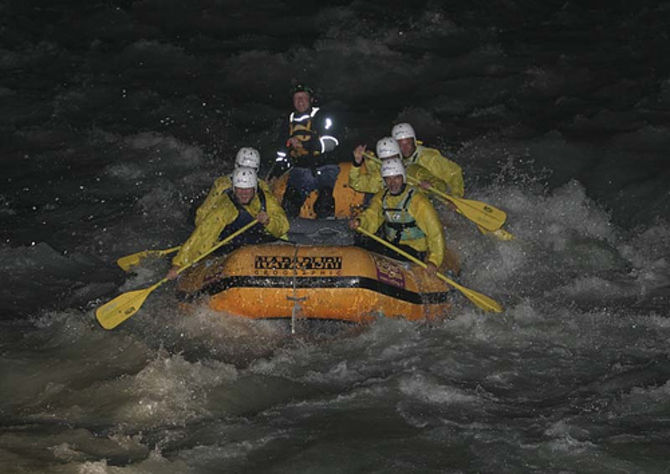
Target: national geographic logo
point(305, 263)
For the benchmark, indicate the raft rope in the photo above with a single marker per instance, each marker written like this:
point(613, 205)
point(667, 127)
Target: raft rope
point(297, 309)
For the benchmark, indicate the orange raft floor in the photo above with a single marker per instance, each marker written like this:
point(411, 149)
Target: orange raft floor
point(343, 283)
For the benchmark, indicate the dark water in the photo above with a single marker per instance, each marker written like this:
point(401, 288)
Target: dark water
point(117, 116)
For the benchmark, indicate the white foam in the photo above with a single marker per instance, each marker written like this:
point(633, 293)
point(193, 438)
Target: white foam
point(641, 401)
point(170, 390)
point(167, 149)
point(594, 288)
point(154, 463)
point(429, 390)
point(125, 171)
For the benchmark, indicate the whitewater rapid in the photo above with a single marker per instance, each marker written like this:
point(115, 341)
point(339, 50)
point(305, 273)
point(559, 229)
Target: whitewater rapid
point(116, 118)
point(573, 370)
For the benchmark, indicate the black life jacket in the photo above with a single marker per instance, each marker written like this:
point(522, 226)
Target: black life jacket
point(301, 126)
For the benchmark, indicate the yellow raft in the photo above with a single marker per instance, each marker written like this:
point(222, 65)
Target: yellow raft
point(343, 283)
point(347, 201)
point(331, 282)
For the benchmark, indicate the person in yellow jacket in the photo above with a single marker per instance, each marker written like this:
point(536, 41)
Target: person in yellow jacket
point(406, 216)
point(240, 204)
point(246, 156)
point(365, 176)
point(430, 158)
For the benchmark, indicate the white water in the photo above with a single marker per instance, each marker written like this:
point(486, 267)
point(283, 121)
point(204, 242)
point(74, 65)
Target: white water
point(115, 130)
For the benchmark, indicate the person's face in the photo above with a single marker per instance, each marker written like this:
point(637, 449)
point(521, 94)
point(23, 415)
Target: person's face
point(244, 195)
point(301, 102)
point(407, 146)
point(394, 183)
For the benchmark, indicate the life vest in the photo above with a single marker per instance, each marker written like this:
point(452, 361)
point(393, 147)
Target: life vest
point(399, 224)
point(255, 234)
point(301, 127)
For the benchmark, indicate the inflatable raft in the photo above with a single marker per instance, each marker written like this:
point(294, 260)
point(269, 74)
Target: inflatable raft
point(347, 201)
point(328, 282)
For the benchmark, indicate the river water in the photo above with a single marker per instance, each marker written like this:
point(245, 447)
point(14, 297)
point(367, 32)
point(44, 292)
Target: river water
point(117, 116)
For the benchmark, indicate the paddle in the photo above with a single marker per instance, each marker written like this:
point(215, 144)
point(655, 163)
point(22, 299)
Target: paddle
point(483, 301)
point(116, 311)
point(131, 260)
point(482, 214)
point(500, 234)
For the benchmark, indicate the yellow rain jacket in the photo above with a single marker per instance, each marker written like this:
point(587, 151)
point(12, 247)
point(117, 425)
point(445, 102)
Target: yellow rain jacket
point(440, 166)
point(427, 236)
point(215, 197)
point(367, 178)
point(207, 233)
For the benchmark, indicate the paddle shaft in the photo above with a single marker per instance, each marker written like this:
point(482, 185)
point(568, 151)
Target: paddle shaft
point(131, 260)
point(223, 242)
point(116, 311)
point(467, 207)
point(483, 301)
point(485, 215)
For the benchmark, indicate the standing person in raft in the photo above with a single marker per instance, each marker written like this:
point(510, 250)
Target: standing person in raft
point(407, 217)
point(309, 139)
point(240, 205)
point(430, 158)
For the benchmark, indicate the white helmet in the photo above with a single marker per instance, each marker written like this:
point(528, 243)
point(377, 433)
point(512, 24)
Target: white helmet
point(387, 147)
point(244, 177)
point(393, 167)
point(248, 157)
point(403, 130)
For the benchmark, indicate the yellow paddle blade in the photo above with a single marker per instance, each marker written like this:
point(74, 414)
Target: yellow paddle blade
point(129, 261)
point(484, 215)
point(116, 311)
point(500, 234)
point(487, 216)
point(480, 300)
